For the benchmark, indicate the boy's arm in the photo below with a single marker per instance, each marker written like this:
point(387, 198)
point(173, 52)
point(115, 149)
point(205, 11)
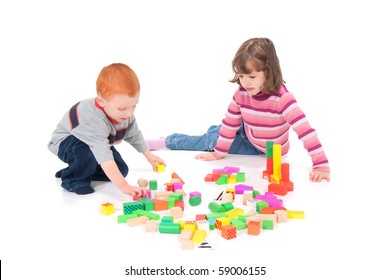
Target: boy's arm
point(112, 171)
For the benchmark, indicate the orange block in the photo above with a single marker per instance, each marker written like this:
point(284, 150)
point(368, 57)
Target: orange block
point(175, 176)
point(229, 232)
point(253, 227)
point(267, 210)
point(160, 204)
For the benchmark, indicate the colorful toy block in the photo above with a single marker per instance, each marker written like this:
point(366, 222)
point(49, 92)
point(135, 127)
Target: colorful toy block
point(107, 208)
point(130, 207)
point(281, 216)
point(187, 245)
point(169, 228)
point(216, 208)
point(143, 183)
point(222, 221)
point(194, 201)
point(267, 224)
point(153, 184)
point(199, 236)
point(151, 226)
point(160, 167)
point(294, 214)
point(238, 224)
point(186, 234)
point(191, 225)
point(123, 218)
point(177, 212)
point(137, 221)
point(253, 227)
point(229, 231)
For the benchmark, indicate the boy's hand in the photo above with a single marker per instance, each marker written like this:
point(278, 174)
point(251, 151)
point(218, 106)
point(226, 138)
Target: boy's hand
point(206, 156)
point(135, 192)
point(153, 159)
point(318, 176)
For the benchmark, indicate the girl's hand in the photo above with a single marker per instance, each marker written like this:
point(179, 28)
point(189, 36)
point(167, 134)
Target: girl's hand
point(206, 156)
point(318, 176)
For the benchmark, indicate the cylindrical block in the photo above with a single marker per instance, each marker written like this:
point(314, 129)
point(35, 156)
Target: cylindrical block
point(169, 228)
point(142, 182)
point(153, 184)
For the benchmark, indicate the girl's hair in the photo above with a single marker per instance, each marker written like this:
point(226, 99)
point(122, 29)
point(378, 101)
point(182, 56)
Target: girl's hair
point(261, 53)
point(117, 78)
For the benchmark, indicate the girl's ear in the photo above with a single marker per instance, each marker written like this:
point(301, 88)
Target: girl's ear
point(100, 101)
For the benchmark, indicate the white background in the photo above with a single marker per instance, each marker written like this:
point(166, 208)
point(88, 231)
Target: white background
point(334, 57)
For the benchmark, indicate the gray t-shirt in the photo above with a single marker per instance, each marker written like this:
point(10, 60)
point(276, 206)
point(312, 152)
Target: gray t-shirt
point(87, 122)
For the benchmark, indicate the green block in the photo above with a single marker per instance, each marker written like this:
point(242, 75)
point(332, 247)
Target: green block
point(169, 228)
point(222, 180)
point(215, 215)
point(238, 224)
point(150, 215)
point(130, 207)
point(254, 193)
point(177, 196)
point(242, 218)
point(153, 184)
point(194, 201)
point(124, 218)
point(269, 148)
point(216, 207)
point(228, 206)
point(240, 177)
point(167, 219)
point(267, 224)
point(171, 202)
point(260, 205)
point(148, 203)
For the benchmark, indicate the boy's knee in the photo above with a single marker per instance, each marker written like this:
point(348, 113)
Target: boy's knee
point(124, 170)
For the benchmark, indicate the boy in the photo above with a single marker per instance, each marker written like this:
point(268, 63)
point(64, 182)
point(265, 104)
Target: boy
point(86, 135)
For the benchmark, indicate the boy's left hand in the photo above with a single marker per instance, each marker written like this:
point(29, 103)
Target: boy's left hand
point(318, 176)
point(153, 159)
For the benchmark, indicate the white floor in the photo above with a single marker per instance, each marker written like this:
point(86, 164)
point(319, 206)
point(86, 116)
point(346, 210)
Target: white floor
point(52, 232)
point(334, 56)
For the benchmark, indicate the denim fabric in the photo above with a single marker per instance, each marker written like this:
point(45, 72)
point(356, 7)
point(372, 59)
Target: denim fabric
point(206, 142)
point(82, 165)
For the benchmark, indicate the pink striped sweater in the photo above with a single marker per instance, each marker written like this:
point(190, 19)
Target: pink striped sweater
point(269, 118)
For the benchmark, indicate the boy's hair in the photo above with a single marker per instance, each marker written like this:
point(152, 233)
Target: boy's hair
point(117, 78)
point(262, 54)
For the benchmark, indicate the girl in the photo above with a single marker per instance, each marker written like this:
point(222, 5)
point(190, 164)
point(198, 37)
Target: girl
point(262, 109)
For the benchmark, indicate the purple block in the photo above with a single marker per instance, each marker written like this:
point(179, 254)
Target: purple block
point(193, 194)
point(271, 199)
point(177, 186)
point(231, 169)
point(241, 188)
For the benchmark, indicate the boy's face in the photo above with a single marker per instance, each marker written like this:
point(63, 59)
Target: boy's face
point(119, 107)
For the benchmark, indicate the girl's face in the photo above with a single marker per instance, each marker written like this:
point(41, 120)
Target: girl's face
point(119, 107)
point(253, 82)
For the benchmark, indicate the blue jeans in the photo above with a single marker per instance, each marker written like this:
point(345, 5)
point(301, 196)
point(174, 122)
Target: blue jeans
point(82, 165)
point(208, 141)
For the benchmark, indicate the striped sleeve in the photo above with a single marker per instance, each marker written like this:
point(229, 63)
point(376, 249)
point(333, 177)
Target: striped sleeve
point(296, 118)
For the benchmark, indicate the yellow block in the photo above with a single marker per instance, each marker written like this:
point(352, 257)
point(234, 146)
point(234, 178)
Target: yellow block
point(277, 160)
point(160, 167)
point(295, 214)
point(107, 209)
point(199, 236)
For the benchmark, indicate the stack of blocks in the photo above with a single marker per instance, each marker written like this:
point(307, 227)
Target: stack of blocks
point(277, 173)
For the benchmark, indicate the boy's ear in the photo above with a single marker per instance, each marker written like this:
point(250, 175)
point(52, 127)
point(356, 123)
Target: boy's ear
point(100, 101)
